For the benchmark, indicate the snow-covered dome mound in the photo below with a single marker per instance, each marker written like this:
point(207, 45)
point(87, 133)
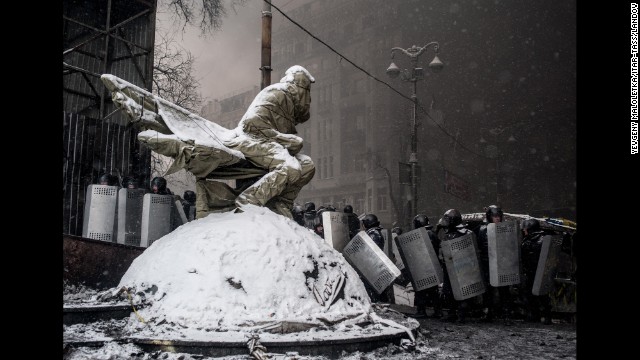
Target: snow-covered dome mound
point(240, 270)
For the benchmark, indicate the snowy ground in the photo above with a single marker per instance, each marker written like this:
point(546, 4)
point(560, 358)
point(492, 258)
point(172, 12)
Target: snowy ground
point(436, 340)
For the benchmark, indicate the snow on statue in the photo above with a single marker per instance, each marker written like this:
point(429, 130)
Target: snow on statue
point(263, 147)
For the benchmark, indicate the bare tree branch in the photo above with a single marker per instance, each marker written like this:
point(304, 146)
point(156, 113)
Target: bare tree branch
point(205, 14)
point(173, 74)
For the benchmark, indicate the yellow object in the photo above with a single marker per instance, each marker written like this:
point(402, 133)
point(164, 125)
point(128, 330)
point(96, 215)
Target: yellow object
point(134, 308)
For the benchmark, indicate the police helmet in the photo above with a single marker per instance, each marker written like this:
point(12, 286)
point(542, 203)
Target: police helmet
point(493, 210)
point(451, 218)
point(190, 196)
point(159, 182)
point(420, 220)
point(531, 225)
point(369, 221)
point(309, 206)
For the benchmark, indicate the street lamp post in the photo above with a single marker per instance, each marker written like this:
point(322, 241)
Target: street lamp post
point(414, 75)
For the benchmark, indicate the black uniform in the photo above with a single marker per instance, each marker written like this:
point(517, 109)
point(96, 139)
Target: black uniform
point(309, 215)
point(352, 221)
point(354, 224)
point(376, 235)
point(298, 214)
point(189, 201)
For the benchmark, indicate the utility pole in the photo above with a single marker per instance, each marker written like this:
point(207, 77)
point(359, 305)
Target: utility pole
point(266, 46)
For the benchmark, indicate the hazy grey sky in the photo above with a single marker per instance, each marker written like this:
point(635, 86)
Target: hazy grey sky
point(229, 60)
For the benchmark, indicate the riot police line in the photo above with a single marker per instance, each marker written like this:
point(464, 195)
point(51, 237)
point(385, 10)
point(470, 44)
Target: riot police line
point(131, 216)
point(450, 258)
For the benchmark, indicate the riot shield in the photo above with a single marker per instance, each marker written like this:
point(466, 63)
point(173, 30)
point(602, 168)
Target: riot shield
point(547, 265)
point(369, 260)
point(504, 253)
point(130, 216)
point(463, 266)
point(336, 229)
point(178, 217)
point(420, 258)
point(100, 212)
point(391, 249)
point(156, 218)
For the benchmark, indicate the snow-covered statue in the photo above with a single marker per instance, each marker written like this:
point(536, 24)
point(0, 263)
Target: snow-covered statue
point(266, 137)
point(228, 275)
point(263, 146)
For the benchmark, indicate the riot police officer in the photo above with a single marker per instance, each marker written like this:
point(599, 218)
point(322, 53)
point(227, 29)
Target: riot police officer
point(298, 214)
point(108, 179)
point(493, 214)
point(309, 215)
point(537, 306)
point(318, 227)
point(352, 221)
point(453, 228)
point(372, 227)
point(189, 200)
point(130, 182)
point(432, 293)
point(159, 186)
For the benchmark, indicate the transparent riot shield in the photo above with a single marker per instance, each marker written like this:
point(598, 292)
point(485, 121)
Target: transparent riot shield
point(547, 265)
point(420, 258)
point(100, 212)
point(156, 218)
point(504, 253)
point(463, 266)
point(369, 260)
point(130, 216)
point(336, 229)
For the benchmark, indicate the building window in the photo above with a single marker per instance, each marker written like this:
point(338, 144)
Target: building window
point(369, 200)
point(319, 168)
